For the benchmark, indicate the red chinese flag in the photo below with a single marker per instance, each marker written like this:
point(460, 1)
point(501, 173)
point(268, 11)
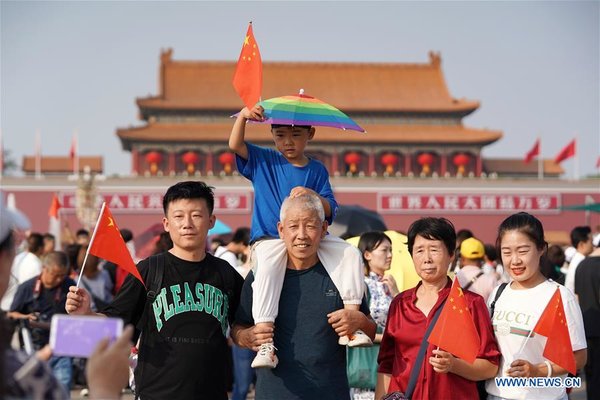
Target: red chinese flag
point(247, 79)
point(54, 207)
point(455, 331)
point(567, 152)
point(553, 325)
point(108, 244)
point(534, 152)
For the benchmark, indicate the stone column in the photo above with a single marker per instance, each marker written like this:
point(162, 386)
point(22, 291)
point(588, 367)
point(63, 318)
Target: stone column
point(208, 165)
point(134, 161)
point(444, 164)
point(371, 165)
point(171, 166)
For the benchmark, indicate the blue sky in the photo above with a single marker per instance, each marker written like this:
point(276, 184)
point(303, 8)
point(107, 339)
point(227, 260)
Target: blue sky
point(534, 66)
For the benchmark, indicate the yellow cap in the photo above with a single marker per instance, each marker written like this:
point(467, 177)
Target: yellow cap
point(472, 248)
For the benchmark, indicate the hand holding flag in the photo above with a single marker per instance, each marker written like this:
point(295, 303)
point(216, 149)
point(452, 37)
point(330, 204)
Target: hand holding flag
point(455, 331)
point(108, 244)
point(247, 79)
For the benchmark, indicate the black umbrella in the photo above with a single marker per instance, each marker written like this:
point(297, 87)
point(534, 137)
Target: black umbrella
point(355, 220)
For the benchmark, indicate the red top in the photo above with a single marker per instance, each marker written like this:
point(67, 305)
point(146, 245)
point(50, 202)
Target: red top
point(402, 338)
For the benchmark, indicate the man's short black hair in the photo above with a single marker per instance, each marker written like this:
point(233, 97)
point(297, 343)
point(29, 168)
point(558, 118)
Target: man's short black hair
point(35, 242)
point(580, 234)
point(190, 190)
point(241, 235)
point(49, 236)
point(82, 232)
point(126, 234)
point(275, 126)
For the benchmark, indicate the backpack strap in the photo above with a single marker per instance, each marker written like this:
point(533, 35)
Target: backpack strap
point(472, 281)
point(156, 271)
point(498, 293)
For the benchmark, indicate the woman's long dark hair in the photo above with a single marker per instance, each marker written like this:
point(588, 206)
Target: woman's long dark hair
point(369, 241)
point(529, 226)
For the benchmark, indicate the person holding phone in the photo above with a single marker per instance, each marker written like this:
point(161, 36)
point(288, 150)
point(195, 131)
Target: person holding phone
point(183, 346)
point(37, 300)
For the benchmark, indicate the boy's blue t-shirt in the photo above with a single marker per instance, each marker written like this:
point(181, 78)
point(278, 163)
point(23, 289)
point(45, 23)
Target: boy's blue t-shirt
point(273, 177)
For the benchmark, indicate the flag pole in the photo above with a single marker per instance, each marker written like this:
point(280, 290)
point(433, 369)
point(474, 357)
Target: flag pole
point(576, 166)
point(76, 155)
point(38, 155)
point(87, 252)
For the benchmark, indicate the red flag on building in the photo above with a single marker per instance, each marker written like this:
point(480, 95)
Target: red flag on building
point(567, 152)
point(553, 325)
point(247, 79)
point(54, 223)
point(108, 244)
point(454, 322)
point(534, 152)
point(73, 152)
point(598, 163)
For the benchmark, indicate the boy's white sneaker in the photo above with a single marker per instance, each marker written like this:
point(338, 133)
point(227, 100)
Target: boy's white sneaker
point(265, 358)
point(358, 339)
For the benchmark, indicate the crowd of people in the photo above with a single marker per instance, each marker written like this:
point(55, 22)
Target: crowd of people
point(293, 304)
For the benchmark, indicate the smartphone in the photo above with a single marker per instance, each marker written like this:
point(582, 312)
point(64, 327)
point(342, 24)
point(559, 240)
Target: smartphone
point(78, 336)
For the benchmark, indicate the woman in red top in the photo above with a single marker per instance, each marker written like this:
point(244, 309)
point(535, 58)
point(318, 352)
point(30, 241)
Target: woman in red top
point(431, 243)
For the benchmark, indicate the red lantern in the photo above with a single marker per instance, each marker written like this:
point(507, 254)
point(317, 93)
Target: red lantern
point(425, 160)
point(461, 160)
point(352, 159)
point(226, 160)
point(153, 158)
point(190, 159)
point(389, 160)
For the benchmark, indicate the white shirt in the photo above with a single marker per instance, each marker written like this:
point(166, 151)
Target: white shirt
point(516, 314)
point(483, 285)
point(570, 278)
point(25, 266)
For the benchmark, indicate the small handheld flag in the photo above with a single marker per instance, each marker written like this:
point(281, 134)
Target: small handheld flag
point(108, 244)
point(456, 322)
point(553, 325)
point(247, 79)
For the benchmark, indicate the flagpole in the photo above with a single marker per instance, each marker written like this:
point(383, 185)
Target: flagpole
point(87, 252)
point(540, 160)
point(38, 155)
point(76, 155)
point(576, 166)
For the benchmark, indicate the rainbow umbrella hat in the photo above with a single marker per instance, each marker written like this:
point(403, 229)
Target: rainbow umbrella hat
point(302, 109)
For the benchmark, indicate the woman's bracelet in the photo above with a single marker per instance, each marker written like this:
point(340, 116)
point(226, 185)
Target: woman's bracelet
point(549, 366)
